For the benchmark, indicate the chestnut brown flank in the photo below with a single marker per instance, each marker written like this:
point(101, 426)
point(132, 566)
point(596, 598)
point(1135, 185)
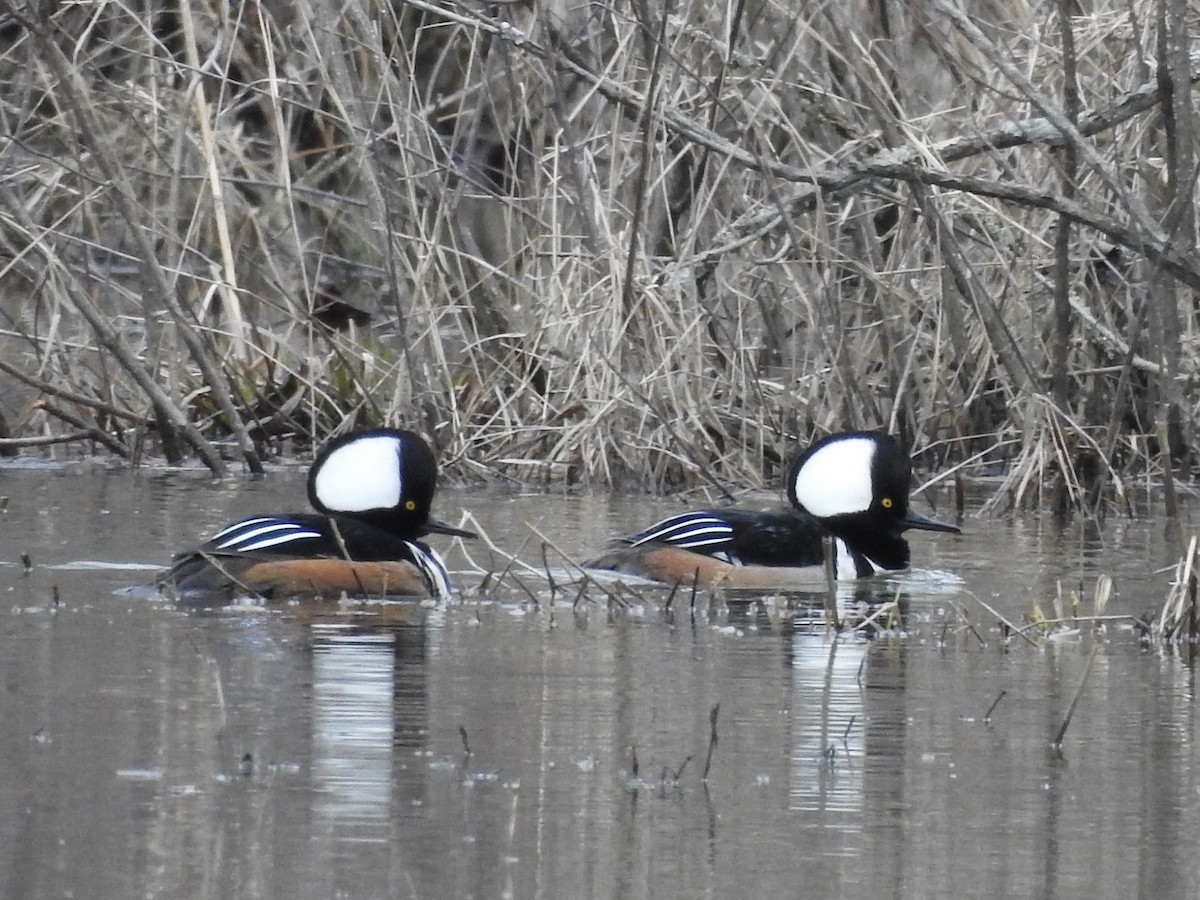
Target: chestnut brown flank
point(332, 576)
point(672, 565)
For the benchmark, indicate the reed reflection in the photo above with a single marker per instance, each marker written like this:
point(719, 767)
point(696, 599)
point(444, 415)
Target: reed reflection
point(836, 716)
point(369, 728)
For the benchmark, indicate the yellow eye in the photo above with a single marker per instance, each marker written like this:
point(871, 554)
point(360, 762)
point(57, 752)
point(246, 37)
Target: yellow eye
point(410, 505)
point(886, 502)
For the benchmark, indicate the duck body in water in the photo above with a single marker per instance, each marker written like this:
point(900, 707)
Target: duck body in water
point(372, 491)
point(853, 487)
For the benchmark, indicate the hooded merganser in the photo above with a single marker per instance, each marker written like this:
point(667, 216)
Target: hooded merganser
point(852, 486)
point(372, 491)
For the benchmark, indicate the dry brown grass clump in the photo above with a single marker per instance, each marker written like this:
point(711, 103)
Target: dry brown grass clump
point(659, 244)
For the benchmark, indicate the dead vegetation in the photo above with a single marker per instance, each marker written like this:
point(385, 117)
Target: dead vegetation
point(651, 245)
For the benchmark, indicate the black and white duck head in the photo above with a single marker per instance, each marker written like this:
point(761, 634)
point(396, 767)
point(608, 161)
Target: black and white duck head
point(383, 476)
point(857, 484)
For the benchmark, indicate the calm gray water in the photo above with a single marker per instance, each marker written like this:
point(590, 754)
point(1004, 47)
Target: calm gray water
point(152, 752)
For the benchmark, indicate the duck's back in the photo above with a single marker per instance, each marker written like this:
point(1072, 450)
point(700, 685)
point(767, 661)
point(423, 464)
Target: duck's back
point(303, 553)
point(747, 537)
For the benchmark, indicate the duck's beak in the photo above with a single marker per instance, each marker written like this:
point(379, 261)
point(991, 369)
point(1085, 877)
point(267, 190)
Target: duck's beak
point(433, 526)
point(921, 522)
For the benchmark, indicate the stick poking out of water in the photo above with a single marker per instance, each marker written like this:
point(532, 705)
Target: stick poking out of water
point(671, 596)
point(612, 597)
point(679, 772)
point(1009, 625)
point(1075, 700)
point(987, 716)
point(829, 549)
point(712, 740)
point(549, 574)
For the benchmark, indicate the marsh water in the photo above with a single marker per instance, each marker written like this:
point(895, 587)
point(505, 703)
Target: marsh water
point(524, 743)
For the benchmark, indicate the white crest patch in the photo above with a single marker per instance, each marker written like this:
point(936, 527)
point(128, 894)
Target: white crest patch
point(837, 478)
point(361, 475)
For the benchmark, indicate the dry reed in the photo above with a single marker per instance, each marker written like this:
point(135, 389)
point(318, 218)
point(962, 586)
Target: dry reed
point(655, 245)
point(1179, 618)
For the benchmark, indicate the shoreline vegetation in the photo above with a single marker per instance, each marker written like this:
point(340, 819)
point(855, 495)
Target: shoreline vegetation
point(649, 246)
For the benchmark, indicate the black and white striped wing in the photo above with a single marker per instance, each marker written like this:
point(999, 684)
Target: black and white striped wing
point(432, 568)
point(284, 535)
point(700, 532)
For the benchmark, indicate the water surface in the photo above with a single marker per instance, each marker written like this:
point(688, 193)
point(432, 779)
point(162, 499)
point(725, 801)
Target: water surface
point(498, 747)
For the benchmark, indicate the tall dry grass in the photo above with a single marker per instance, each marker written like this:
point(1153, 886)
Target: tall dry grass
point(660, 244)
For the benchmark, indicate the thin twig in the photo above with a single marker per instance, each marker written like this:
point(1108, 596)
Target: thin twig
point(1062, 731)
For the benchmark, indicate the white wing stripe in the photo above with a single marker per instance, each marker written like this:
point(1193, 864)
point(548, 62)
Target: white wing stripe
point(275, 532)
point(685, 540)
point(278, 539)
point(238, 526)
point(249, 534)
point(688, 531)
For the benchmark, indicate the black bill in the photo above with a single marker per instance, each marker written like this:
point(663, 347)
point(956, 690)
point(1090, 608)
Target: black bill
point(914, 519)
